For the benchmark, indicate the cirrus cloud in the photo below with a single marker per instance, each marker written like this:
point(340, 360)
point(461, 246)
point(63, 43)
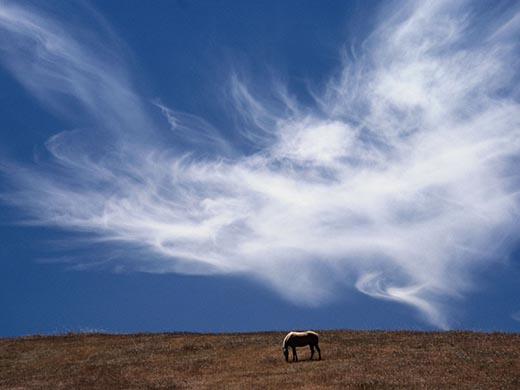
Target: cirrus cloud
point(400, 181)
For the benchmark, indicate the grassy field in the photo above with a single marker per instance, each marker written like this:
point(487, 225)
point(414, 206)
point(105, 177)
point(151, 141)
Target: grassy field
point(351, 360)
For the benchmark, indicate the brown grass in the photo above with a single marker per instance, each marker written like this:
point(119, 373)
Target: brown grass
point(352, 360)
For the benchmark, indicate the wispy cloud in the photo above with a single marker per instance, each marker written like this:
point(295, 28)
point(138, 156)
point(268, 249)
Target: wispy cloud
point(400, 181)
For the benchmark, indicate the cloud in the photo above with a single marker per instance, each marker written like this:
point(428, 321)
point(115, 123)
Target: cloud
point(516, 316)
point(400, 181)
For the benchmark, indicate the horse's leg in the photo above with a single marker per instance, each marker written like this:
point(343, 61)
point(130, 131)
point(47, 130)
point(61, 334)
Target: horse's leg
point(294, 355)
point(312, 350)
point(319, 352)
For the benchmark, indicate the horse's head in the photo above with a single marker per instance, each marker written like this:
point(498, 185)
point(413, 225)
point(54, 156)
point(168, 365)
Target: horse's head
point(286, 353)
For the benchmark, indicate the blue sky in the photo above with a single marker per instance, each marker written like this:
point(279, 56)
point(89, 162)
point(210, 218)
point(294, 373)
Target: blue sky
point(241, 166)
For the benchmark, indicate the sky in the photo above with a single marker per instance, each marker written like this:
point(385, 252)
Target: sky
point(218, 166)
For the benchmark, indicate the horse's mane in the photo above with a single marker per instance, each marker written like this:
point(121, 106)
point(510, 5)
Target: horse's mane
point(284, 343)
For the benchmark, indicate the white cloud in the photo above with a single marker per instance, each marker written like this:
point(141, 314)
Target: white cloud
point(401, 182)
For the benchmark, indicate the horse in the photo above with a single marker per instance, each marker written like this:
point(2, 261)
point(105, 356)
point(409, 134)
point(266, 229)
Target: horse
point(300, 339)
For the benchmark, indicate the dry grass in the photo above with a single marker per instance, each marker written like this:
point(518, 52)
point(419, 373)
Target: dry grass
point(352, 360)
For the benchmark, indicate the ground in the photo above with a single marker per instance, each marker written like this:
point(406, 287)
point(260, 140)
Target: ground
point(351, 360)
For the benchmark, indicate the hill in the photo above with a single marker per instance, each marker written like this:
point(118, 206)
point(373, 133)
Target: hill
point(351, 360)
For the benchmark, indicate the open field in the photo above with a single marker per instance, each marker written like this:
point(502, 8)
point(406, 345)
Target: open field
point(351, 360)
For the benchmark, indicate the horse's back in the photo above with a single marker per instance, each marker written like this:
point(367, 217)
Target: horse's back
point(309, 333)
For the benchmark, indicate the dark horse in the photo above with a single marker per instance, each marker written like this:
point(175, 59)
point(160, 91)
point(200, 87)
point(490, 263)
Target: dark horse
point(300, 339)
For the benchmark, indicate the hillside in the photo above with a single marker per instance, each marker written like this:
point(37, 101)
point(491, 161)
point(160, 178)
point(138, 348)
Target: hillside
point(351, 360)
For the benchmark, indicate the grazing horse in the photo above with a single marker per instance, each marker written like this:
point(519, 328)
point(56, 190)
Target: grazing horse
point(300, 339)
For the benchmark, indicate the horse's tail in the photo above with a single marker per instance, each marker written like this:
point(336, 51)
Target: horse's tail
point(316, 335)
